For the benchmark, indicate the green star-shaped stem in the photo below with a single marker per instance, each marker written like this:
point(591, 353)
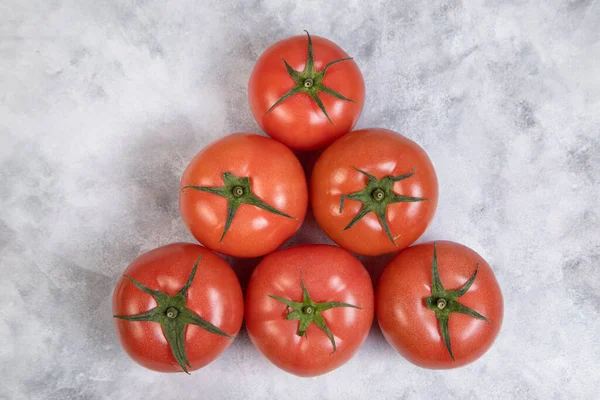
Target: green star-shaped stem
point(307, 312)
point(173, 316)
point(237, 191)
point(310, 81)
point(445, 302)
point(376, 196)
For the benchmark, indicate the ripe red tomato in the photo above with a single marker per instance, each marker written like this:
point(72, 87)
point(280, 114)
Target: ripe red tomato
point(311, 97)
point(439, 305)
point(177, 308)
point(309, 308)
point(243, 195)
point(374, 191)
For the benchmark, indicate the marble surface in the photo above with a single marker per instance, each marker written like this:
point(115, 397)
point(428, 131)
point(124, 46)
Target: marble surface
point(103, 103)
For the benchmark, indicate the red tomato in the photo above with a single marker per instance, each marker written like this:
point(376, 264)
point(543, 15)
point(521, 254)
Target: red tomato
point(433, 323)
point(243, 195)
point(311, 97)
point(374, 191)
point(168, 328)
point(312, 331)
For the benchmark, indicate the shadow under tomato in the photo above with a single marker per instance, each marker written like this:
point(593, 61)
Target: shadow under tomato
point(375, 265)
point(243, 268)
point(375, 332)
point(309, 233)
point(308, 160)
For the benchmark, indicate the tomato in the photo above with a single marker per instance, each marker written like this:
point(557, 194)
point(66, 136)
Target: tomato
point(374, 191)
point(309, 308)
point(439, 305)
point(311, 97)
point(243, 195)
point(177, 308)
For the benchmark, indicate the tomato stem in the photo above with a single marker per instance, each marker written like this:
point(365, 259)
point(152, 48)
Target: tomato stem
point(173, 315)
point(310, 81)
point(308, 312)
point(172, 312)
point(445, 302)
point(441, 304)
point(237, 191)
point(376, 196)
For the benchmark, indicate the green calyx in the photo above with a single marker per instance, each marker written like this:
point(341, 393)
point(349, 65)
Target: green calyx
point(445, 302)
point(376, 196)
point(310, 81)
point(173, 316)
point(237, 191)
point(308, 312)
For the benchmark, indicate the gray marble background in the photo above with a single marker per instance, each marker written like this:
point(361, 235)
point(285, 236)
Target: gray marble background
point(103, 103)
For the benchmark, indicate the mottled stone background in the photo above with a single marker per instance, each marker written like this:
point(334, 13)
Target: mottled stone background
point(104, 102)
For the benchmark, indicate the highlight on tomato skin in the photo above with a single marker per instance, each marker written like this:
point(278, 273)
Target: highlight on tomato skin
point(177, 308)
point(243, 195)
point(309, 308)
point(374, 191)
point(439, 305)
point(305, 91)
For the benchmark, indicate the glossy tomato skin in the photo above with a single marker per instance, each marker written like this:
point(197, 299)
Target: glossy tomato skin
point(412, 329)
point(276, 177)
point(380, 152)
point(298, 122)
point(215, 295)
point(330, 274)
